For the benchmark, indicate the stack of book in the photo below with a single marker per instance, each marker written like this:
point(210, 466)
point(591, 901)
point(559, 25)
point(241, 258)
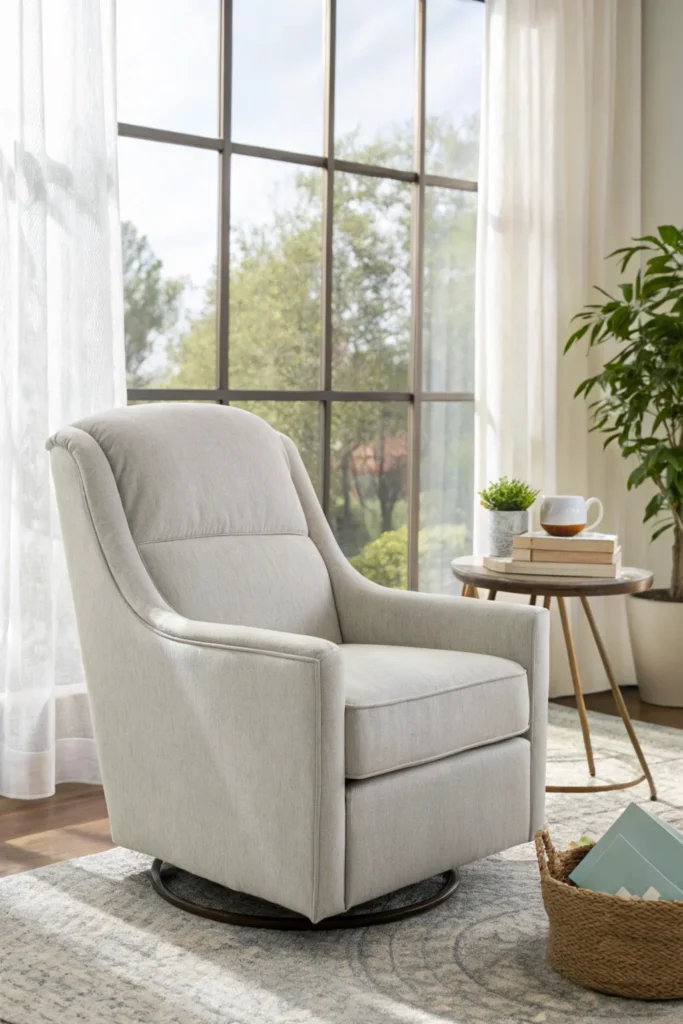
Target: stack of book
point(539, 554)
point(639, 857)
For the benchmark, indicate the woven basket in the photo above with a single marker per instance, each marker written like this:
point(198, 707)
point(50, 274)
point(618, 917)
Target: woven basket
point(630, 948)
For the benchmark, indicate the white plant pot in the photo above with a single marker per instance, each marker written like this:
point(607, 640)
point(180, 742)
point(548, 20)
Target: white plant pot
point(503, 526)
point(656, 629)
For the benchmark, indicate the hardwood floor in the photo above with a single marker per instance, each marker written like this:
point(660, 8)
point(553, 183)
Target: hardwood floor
point(639, 712)
point(74, 822)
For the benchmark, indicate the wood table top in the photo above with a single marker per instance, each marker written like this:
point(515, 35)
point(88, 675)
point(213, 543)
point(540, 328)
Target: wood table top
point(470, 570)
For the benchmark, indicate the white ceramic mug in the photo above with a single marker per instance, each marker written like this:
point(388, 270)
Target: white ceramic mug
point(565, 515)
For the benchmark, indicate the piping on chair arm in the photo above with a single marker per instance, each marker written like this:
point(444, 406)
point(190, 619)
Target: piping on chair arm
point(247, 639)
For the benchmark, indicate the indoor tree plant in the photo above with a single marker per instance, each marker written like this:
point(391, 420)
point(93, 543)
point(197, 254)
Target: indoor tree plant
point(636, 401)
point(508, 501)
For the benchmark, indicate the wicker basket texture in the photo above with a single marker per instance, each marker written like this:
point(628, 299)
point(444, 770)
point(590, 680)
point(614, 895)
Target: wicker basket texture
point(631, 948)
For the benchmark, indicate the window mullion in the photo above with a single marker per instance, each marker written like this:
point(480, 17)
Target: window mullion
point(328, 216)
point(417, 266)
point(223, 266)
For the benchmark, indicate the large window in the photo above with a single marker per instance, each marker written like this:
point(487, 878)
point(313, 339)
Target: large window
point(298, 236)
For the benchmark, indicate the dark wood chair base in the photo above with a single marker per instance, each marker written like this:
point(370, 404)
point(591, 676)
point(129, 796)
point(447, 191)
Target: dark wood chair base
point(297, 922)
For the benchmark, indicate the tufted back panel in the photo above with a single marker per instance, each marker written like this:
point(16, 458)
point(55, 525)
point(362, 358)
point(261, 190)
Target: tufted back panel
point(209, 498)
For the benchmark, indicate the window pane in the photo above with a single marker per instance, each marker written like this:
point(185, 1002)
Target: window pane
point(371, 284)
point(167, 64)
point(275, 275)
point(277, 82)
point(168, 198)
point(455, 42)
point(446, 491)
point(448, 317)
point(369, 465)
point(298, 420)
point(375, 86)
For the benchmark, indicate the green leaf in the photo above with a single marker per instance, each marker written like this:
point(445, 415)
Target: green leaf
point(627, 291)
point(628, 253)
point(649, 238)
point(662, 282)
point(659, 264)
point(576, 336)
point(653, 507)
point(507, 495)
point(670, 235)
point(639, 475)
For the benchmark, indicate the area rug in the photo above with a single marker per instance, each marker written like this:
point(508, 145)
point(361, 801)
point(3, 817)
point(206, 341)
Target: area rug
point(89, 942)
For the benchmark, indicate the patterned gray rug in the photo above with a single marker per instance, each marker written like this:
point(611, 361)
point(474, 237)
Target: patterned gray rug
point(89, 942)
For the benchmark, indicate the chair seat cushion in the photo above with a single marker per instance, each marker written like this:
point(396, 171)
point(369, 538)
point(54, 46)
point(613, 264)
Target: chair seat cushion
point(409, 705)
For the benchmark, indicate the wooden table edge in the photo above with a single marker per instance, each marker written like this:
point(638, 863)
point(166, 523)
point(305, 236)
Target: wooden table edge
point(565, 586)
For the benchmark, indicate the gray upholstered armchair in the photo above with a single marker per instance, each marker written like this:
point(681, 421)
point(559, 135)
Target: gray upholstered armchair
point(265, 717)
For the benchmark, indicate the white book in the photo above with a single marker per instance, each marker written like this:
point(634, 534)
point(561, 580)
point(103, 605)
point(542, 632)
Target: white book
point(521, 568)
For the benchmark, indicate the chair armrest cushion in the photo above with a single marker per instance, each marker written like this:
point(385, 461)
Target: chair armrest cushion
point(246, 639)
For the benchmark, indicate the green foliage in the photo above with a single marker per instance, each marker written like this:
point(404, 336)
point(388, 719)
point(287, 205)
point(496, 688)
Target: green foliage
point(275, 328)
point(151, 302)
point(636, 400)
point(275, 319)
point(508, 495)
point(385, 560)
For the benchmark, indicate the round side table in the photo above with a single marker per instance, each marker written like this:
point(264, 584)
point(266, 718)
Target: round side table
point(472, 574)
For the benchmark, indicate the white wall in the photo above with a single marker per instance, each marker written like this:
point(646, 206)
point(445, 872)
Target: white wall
point(662, 200)
point(662, 112)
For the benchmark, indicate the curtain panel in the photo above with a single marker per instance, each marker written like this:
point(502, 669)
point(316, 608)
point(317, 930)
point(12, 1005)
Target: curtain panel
point(559, 188)
point(61, 357)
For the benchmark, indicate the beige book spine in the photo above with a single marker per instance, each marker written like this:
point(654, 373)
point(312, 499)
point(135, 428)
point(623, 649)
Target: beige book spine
point(563, 544)
point(522, 554)
point(565, 569)
point(574, 557)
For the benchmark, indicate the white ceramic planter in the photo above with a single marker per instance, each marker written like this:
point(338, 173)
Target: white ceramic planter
point(656, 629)
point(503, 526)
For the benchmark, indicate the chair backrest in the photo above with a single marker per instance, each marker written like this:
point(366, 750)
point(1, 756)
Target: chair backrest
point(214, 513)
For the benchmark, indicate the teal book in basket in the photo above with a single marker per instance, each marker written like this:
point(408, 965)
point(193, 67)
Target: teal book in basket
point(637, 853)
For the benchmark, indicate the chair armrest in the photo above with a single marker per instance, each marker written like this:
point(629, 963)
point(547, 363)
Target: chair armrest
point(371, 614)
point(245, 639)
point(237, 736)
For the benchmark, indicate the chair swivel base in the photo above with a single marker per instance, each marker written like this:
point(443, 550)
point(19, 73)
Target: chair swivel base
point(297, 922)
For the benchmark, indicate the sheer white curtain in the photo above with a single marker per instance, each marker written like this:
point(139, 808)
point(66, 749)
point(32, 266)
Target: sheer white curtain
point(61, 356)
point(559, 188)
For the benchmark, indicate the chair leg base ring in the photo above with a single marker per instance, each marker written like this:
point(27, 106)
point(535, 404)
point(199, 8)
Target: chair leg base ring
point(297, 922)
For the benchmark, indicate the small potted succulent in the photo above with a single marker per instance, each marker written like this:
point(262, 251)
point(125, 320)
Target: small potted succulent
point(637, 402)
point(509, 502)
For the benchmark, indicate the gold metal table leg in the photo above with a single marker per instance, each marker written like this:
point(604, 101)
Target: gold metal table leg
point(619, 700)
point(576, 680)
point(469, 590)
